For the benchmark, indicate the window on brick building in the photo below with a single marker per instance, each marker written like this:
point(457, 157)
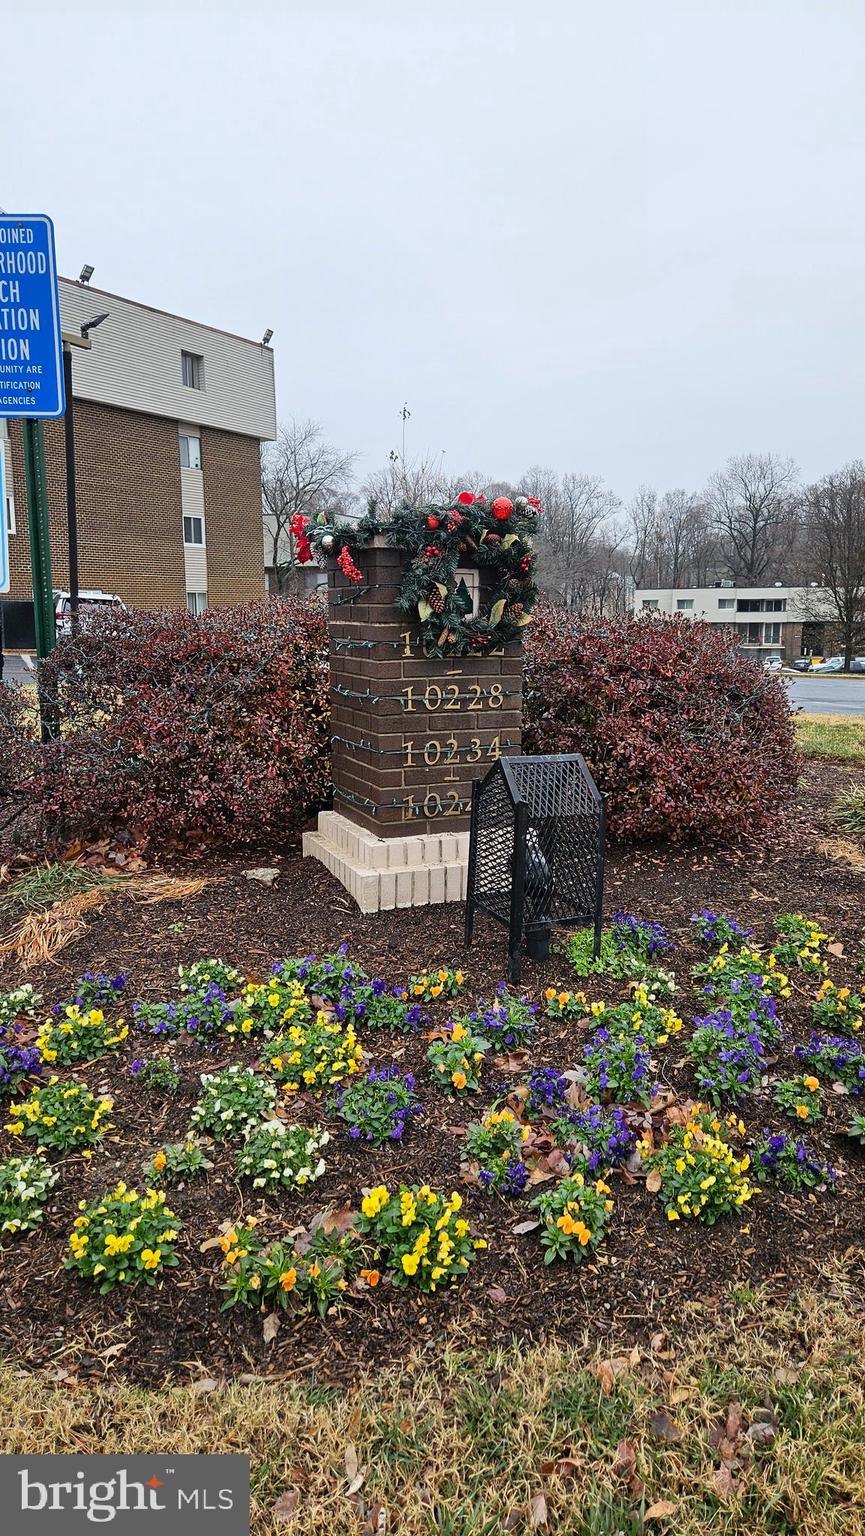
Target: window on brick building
point(190, 450)
point(193, 530)
point(196, 602)
point(10, 513)
point(192, 370)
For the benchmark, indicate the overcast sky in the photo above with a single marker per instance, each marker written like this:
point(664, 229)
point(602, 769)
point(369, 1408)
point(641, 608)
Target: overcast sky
point(620, 236)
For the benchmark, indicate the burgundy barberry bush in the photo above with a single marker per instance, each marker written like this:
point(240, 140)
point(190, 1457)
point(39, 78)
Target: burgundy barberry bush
point(685, 736)
point(212, 729)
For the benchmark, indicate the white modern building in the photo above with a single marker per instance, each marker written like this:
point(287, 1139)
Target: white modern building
point(770, 621)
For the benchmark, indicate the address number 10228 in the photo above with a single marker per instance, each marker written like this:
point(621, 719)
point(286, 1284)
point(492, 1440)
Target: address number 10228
point(448, 697)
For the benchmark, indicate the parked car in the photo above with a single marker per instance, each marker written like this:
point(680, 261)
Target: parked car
point(90, 601)
point(772, 663)
point(803, 664)
point(833, 664)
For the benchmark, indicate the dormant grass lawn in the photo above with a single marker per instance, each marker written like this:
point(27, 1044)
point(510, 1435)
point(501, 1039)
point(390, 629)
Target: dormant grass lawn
point(835, 736)
point(752, 1424)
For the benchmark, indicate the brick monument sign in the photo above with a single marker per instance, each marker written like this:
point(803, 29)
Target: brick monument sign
point(410, 733)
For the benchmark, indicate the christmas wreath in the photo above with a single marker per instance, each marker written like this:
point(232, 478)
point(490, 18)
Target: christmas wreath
point(492, 535)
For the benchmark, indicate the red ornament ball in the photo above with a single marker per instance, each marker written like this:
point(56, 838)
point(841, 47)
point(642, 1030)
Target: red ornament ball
point(466, 499)
point(502, 508)
point(432, 521)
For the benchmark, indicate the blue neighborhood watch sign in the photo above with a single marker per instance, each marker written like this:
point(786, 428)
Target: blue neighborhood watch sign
point(31, 347)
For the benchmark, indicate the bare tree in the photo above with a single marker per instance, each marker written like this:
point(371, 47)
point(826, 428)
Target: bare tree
point(835, 521)
point(409, 483)
point(752, 503)
point(575, 509)
point(301, 473)
point(688, 545)
point(644, 538)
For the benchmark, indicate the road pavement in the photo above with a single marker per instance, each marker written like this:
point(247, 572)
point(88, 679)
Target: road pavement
point(15, 670)
point(828, 695)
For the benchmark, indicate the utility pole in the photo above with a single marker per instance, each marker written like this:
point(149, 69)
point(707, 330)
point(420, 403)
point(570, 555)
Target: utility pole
point(83, 341)
point(40, 564)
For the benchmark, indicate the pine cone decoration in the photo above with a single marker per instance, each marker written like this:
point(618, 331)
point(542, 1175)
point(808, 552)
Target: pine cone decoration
point(513, 610)
point(435, 600)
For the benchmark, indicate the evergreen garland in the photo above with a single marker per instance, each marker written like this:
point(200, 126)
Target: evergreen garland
point(494, 535)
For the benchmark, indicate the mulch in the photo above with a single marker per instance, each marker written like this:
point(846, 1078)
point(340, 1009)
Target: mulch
point(645, 1274)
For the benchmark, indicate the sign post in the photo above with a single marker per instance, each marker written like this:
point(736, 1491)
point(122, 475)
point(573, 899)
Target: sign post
point(4, 536)
point(32, 388)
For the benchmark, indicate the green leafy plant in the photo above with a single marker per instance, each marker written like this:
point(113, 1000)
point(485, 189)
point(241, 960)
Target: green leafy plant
point(838, 1008)
point(506, 1023)
point(559, 1003)
point(384, 1008)
point(574, 1217)
point(310, 1275)
point(456, 1057)
point(799, 943)
point(618, 1067)
point(790, 1163)
point(696, 1172)
point(24, 1184)
point(379, 1106)
point(314, 1054)
point(232, 1101)
point(276, 1156)
point(269, 1007)
point(856, 1129)
point(76, 1035)
point(800, 1097)
point(21, 1003)
point(123, 1237)
point(327, 977)
point(419, 1234)
point(201, 975)
point(155, 1074)
point(178, 1160)
point(848, 810)
point(641, 1015)
point(494, 1146)
point(62, 1116)
point(435, 985)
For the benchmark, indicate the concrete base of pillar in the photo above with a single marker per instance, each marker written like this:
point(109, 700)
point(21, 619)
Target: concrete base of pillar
point(386, 872)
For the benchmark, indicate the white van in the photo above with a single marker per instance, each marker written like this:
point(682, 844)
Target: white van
point(90, 602)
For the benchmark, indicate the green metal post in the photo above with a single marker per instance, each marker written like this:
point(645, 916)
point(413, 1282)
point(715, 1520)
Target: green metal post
point(40, 562)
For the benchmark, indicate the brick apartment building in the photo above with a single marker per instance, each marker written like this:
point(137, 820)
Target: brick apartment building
point(169, 420)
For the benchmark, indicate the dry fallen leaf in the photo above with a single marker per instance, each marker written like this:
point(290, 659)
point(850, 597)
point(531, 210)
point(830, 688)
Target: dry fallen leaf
point(725, 1483)
point(286, 1505)
point(539, 1510)
point(653, 1181)
point(664, 1428)
point(524, 1226)
point(564, 1467)
point(270, 1327)
point(497, 1295)
point(625, 1459)
point(662, 1510)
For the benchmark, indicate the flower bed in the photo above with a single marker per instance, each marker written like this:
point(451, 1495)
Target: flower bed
point(545, 1101)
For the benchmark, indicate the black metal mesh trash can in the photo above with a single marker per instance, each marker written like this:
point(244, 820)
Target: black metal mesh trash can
point(536, 851)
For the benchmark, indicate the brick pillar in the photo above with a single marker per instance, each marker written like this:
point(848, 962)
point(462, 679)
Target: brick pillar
point(410, 733)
